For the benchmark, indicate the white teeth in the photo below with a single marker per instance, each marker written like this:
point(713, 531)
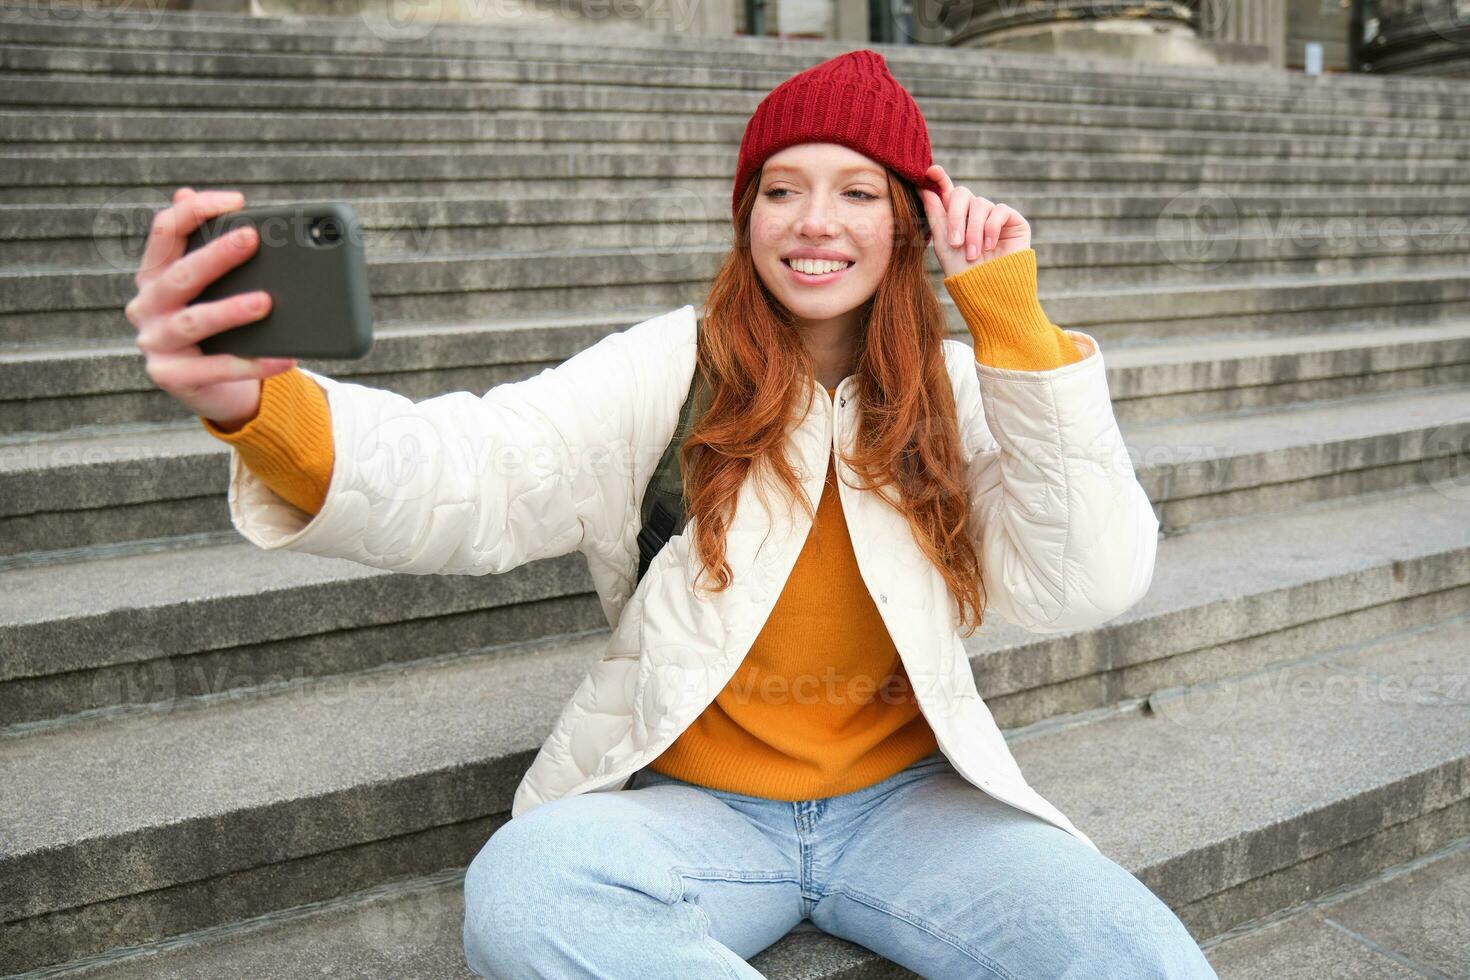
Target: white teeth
point(816, 267)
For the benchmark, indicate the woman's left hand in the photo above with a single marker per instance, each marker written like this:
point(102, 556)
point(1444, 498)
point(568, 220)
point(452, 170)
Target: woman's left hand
point(967, 230)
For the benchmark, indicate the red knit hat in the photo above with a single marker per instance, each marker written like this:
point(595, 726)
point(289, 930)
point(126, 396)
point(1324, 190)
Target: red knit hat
point(851, 99)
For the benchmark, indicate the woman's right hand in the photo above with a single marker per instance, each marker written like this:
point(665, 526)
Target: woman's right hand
point(220, 387)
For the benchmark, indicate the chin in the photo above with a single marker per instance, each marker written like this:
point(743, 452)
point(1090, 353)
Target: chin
point(824, 310)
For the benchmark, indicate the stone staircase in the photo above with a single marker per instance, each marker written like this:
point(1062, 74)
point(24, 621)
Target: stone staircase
point(221, 761)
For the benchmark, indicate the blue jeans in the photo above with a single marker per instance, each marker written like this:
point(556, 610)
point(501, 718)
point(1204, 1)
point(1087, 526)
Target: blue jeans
point(666, 879)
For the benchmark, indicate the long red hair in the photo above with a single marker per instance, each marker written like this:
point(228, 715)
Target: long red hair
point(759, 374)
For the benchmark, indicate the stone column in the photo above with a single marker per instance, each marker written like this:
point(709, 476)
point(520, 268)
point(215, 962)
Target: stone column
point(1140, 30)
point(929, 22)
point(1261, 22)
point(850, 20)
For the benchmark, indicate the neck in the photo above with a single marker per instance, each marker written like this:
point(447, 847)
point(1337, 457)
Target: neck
point(831, 344)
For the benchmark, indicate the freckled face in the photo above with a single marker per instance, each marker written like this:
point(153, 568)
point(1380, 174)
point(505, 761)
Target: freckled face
point(829, 197)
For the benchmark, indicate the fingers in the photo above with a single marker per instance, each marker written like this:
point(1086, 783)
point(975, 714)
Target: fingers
point(980, 208)
point(190, 324)
point(994, 223)
point(185, 373)
point(957, 215)
point(186, 277)
point(934, 214)
point(955, 204)
point(169, 232)
point(938, 175)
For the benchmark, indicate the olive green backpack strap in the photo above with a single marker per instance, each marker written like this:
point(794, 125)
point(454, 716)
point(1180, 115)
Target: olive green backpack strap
point(663, 499)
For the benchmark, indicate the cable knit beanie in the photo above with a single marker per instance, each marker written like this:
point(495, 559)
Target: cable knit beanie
point(851, 99)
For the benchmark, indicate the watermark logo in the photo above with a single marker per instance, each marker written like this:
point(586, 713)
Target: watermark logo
point(1199, 229)
point(1445, 462)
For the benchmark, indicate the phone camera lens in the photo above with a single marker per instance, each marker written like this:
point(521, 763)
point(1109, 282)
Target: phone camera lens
point(326, 232)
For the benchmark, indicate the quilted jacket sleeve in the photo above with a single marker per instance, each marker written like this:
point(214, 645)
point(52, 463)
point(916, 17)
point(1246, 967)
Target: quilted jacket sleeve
point(476, 484)
point(1065, 533)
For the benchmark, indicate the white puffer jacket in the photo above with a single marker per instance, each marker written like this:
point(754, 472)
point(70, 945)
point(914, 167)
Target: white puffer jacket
point(479, 484)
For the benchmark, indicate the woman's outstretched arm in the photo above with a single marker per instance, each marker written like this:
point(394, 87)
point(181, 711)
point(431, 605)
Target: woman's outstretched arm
point(467, 483)
point(288, 443)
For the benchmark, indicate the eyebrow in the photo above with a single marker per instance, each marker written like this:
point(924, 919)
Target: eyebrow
point(858, 169)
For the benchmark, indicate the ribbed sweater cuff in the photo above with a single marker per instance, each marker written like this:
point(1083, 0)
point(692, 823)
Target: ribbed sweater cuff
point(288, 444)
point(998, 300)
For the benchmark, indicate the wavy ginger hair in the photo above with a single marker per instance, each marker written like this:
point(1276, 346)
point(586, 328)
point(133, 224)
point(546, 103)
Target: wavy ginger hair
point(759, 372)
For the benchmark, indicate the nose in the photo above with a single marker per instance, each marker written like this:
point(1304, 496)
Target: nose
point(816, 219)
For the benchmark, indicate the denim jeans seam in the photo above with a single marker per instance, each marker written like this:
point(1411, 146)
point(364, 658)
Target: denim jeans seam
point(919, 922)
point(734, 874)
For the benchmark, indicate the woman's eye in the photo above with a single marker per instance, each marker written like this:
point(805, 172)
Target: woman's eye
point(781, 190)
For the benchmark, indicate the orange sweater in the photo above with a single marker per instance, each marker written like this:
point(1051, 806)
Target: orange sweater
point(821, 704)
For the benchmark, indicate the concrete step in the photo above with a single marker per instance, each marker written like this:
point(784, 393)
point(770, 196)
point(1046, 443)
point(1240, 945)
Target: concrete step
point(210, 616)
point(111, 235)
point(92, 388)
point(949, 120)
point(1234, 799)
point(262, 803)
point(615, 133)
point(1020, 128)
point(1406, 921)
point(503, 85)
point(64, 496)
point(408, 928)
point(343, 36)
point(1165, 277)
point(396, 83)
point(1266, 461)
point(1244, 594)
point(118, 19)
point(257, 173)
point(1296, 779)
point(1264, 307)
point(490, 175)
point(1202, 377)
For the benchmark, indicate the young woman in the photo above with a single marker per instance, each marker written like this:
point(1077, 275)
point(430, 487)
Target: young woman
point(784, 728)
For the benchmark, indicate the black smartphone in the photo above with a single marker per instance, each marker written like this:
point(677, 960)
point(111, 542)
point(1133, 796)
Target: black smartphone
point(311, 260)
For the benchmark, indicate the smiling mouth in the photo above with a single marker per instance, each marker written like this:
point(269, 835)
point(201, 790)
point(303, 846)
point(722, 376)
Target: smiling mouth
point(817, 276)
